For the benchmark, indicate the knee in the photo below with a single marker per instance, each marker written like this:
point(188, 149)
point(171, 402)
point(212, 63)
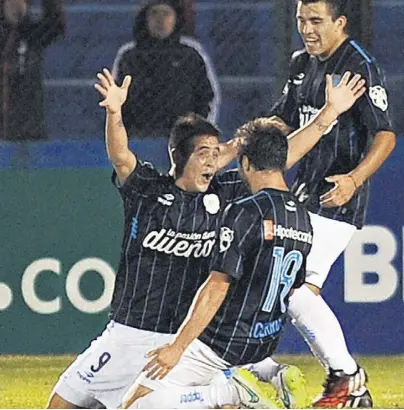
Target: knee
point(134, 393)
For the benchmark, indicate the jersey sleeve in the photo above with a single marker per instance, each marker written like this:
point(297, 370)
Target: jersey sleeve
point(286, 107)
point(374, 107)
point(140, 181)
point(238, 234)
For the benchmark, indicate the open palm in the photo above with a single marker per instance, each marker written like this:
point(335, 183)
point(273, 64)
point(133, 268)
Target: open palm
point(114, 96)
point(343, 96)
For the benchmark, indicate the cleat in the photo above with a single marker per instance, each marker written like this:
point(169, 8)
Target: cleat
point(290, 385)
point(253, 393)
point(360, 399)
point(338, 388)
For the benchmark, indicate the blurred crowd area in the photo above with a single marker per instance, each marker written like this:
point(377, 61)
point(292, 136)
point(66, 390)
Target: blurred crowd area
point(248, 43)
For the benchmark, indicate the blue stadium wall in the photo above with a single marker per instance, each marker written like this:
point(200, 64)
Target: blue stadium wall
point(61, 225)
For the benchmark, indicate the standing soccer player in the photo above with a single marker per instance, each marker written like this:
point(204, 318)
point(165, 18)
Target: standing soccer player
point(333, 180)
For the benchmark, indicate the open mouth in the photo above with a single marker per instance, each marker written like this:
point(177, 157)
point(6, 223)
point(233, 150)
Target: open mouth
point(310, 42)
point(207, 176)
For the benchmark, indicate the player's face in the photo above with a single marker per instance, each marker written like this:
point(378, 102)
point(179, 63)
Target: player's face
point(202, 165)
point(321, 34)
point(161, 20)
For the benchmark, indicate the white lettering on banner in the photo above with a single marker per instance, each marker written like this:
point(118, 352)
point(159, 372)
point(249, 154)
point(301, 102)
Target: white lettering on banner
point(73, 291)
point(6, 296)
point(73, 285)
point(357, 264)
point(28, 286)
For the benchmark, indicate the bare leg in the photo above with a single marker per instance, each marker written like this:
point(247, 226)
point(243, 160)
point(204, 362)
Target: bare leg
point(57, 402)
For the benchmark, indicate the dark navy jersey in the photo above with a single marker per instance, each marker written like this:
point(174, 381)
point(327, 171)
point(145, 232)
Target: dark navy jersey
point(169, 235)
point(264, 241)
point(347, 142)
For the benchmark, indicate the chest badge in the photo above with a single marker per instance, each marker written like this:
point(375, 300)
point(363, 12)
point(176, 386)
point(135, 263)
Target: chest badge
point(211, 203)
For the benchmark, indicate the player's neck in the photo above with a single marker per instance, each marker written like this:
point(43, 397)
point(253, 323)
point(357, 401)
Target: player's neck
point(267, 179)
point(333, 50)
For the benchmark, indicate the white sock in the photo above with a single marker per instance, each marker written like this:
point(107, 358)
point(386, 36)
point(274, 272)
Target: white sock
point(266, 369)
point(319, 326)
point(189, 397)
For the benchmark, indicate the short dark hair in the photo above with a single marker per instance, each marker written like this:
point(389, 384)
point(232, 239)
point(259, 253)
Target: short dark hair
point(264, 144)
point(338, 7)
point(183, 134)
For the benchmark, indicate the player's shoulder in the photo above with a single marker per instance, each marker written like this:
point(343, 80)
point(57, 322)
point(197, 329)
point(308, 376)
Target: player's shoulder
point(255, 203)
point(359, 56)
point(299, 62)
point(126, 49)
point(299, 57)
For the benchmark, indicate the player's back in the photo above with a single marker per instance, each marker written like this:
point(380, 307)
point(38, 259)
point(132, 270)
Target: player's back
point(265, 239)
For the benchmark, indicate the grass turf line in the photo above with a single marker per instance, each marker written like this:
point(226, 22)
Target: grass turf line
point(26, 381)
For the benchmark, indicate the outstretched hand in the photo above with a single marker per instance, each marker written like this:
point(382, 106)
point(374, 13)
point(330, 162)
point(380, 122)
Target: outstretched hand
point(114, 96)
point(162, 360)
point(343, 190)
point(343, 96)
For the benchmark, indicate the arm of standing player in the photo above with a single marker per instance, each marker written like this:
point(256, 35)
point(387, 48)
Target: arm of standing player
point(339, 99)
point(207, 302)
point(346, 185)
point(116, 138)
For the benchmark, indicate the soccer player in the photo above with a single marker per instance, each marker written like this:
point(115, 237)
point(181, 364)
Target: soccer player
point(169, 234)
point(333, 181)
point(238, 314)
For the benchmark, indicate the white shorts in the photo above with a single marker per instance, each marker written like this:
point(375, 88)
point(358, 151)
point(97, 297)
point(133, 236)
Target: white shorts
point(199, 366)
point(109, 366)
point(330, 238)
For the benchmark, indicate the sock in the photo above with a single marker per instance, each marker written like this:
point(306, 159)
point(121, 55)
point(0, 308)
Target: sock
point(319, 326)
point(189, 397)
point(266, 369)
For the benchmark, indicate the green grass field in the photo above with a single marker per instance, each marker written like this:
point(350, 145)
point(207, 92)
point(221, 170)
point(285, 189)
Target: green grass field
point(26, 381)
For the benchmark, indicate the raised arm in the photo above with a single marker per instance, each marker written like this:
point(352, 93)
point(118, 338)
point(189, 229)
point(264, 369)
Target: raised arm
point(207, 302)
point(339, 99)
point(116, 138)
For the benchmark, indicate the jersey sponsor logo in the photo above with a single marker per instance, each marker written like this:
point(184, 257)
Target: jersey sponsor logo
point(211, 203)
point(298, 80)
point(290, 206)
point(166, 199)
point(271, 230)
point(268, 229)
point(307, 112)
point(196, 245)
point(226, 238)
point(265, 329)
point(378, 95)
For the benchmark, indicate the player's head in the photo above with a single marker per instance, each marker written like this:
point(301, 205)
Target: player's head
point(194, 152)
point(264, 147)
point(322, 24)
